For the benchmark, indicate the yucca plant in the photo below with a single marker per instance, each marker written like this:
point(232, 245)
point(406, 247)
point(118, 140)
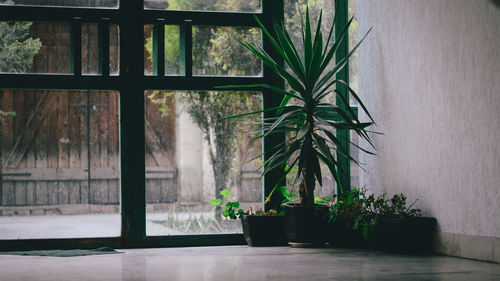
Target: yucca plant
point(305, 114)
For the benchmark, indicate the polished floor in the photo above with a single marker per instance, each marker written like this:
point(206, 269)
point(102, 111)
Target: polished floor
point(245, 263)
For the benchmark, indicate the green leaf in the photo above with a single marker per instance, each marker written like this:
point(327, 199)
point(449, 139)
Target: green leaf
point(285, 193)
point(328, 56)
point(269, 61)
point(226, 193)
point(216, 202)
point(316, 167)
point(355, 226)
point(267, 86)
point(353, 94)
point(317, 200)
point(292, 56)
point(279, 121)
point(240, 212)
point(283, 103)
point(307, 42)
point(304, 130)
point(314, 67)
point(233, 204)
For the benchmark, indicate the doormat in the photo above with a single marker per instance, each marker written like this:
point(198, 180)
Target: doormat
point(64, 253)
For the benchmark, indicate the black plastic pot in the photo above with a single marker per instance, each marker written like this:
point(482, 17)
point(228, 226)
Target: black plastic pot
point(264, 230)
point(342, 235)
point(306, 225)
point(407, 235)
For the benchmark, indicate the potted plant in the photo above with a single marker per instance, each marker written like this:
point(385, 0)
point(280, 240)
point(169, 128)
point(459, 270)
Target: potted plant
point(309, 118)
point(260, 228)
point(401, 228)
point(362, 220)
point(352, 219)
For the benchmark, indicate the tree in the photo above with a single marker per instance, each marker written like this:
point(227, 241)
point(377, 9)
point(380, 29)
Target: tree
point(17, 50)
point(217, 52)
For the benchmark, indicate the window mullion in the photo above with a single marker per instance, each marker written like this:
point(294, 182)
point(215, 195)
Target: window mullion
point(341, 20)
point(104, 48)
point(272, 10)
point(132, 128)
point(159, 49)
point(76, 47)
point(186, 49)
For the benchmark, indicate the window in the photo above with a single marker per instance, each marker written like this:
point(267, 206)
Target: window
point(60, 164)
point(191, 155)
point(88, 88)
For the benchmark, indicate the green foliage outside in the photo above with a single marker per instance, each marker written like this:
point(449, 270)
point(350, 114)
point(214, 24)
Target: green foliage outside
point(17, 50)
point(232, 210)
point(217, 52)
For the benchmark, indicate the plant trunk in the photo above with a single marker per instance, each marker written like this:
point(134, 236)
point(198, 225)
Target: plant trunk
point(306, 199)
point(306, 189)
point(220, 183)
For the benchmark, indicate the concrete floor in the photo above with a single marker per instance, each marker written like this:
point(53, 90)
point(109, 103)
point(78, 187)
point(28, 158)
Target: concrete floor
point(245, 263)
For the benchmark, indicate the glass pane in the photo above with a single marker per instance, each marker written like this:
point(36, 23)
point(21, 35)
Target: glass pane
point(114, 49)
point(353, 83)
point(64, 3)
point(217, 52)
point(295, 12)
point(172, 51)
point(353, 40)
point(39, 47)
point(148, 49)
point(59, 164)
point(207, 5)
point(355, 169)
point(90, 49)
point(191, 154)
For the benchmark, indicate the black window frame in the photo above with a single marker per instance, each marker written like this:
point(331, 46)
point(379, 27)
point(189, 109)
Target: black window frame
point(131, 84)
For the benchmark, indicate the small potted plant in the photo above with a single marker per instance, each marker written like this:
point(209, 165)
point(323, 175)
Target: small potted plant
point(362, 220)
point(401, 228)
point(260, 228)
point(353, 219)
point(309, 117)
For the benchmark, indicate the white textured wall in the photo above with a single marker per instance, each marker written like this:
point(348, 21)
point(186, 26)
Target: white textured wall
point(430, 74)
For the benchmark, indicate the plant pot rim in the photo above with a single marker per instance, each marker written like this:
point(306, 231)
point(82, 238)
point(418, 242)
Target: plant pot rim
point(395, 218)
point(298, 205)
point(259, 216)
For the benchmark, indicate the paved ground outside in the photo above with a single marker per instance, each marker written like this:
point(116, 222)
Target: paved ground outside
point(77, 226)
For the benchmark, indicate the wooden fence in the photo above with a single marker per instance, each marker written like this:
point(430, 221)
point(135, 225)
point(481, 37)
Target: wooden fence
point(62, 147)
